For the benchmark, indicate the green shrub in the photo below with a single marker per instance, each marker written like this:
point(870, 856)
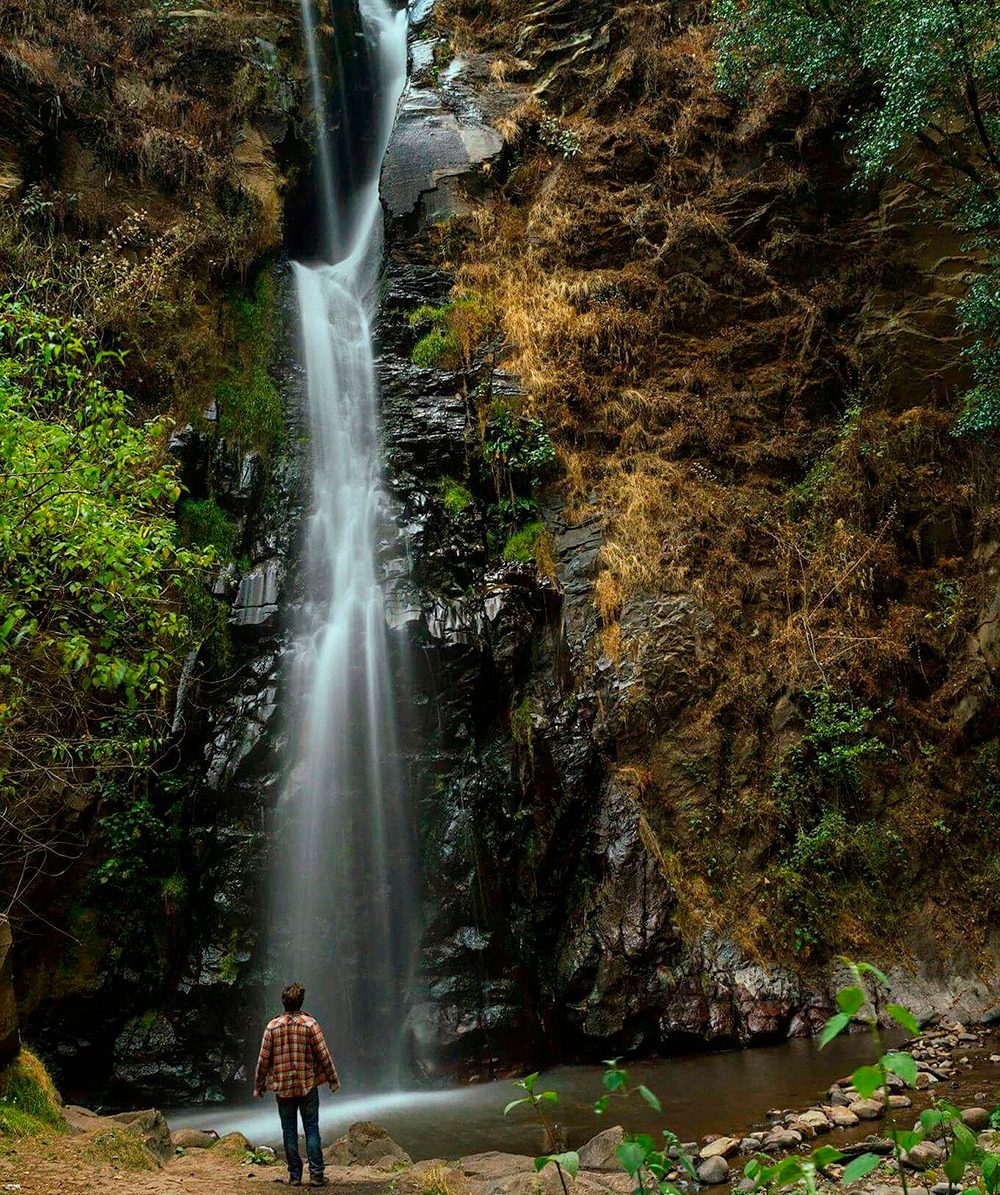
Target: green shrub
point(250, 408)
point(453, 330)
point(522, 545)
point(437, 347)
point(204, 524)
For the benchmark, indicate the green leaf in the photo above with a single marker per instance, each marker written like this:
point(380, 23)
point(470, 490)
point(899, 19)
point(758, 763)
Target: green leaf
point(632, 1155)
point(902, 1064)
point(788, 1170)
point(867, 1079)
point(529, 1081)
point(569, 1161)
point(601, 1106)
point(850, 1000)
point(687, 1164)
point(515, 1104)
point(859, 1167)
point(907, 1140)
point(931, 1119)
point(903, 1016)
point(550, 1097)
point(954, 1168)
point(834, 1026)
point(870, 969)
point(650, 1098)
point(825, 1155)
point(965, 1142)
point(614, 1080)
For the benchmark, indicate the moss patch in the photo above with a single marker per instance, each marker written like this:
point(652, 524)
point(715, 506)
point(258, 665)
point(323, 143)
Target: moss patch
point(455, 496)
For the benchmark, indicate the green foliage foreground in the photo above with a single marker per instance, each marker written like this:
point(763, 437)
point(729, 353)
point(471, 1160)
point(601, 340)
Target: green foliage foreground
point(663, 1167)
point(92, 580)
point(920, 82)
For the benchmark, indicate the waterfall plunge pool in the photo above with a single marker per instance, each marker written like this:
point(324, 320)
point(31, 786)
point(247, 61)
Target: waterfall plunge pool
point(701, 1093)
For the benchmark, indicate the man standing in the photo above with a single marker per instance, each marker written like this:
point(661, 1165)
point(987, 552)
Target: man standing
point(294, 1063)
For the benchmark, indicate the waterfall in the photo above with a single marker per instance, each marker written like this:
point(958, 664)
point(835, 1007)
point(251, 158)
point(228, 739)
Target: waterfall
point(344, 905)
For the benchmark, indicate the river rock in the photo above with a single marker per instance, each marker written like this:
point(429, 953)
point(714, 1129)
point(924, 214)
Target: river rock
point(900, 1101)
point(923, 1155)
point(868, 1109)
point(721, 1147)
point(366, 1144)
point(713, 1170)
point(976, 1119)
point(599, 1152)
point(193, 1138)
point(781, 1139)
point(840, 1117)
point(800, 1126)
point(816, 1119)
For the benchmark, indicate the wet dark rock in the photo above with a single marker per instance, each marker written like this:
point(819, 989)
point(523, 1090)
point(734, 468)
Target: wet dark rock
point(255, 609)
point(438, 141)
point(713, 1171)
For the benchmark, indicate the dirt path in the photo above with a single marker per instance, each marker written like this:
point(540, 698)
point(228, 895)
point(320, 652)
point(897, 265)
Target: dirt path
point(59, 1165)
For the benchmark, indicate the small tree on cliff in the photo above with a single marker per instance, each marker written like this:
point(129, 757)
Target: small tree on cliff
point(919, 81)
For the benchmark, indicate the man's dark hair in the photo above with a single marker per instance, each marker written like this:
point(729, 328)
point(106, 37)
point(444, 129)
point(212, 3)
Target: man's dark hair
point(292, 997)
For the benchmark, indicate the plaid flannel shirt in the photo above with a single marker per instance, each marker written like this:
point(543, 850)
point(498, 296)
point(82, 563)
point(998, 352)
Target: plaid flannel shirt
point(294, 1057)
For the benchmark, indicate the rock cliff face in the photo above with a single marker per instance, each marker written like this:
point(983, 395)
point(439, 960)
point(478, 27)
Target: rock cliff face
point(579, 764)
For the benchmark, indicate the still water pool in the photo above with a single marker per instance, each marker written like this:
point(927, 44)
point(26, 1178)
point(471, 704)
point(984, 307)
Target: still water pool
point(701, 1093)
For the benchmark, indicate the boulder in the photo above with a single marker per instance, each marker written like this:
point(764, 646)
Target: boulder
point(721, 1147)
point(976, 1119)
point(367, 1144)
point(781, 1139)
point(151, 1127)
point(868, 1109)
point(713, 1171)
point(599, 1152)
point(494, 1165)
point(233, 1143)
point(193, 1138)
point(841, 1118)
point(923, 1155)
point(816, 1119)
point(800, 1126)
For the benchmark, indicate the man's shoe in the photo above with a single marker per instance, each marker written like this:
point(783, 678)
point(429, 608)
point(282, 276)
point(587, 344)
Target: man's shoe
point(322, 1181)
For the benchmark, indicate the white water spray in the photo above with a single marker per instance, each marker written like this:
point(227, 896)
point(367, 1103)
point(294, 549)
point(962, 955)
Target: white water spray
point(344, 904)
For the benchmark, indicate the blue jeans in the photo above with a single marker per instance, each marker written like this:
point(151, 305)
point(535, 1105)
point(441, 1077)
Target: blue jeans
point(288, 1111)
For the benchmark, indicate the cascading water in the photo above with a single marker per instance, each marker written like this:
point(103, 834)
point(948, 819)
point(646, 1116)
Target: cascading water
point(344, 906)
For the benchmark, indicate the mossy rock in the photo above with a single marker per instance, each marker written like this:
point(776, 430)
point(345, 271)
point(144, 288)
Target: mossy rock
point(233, 1145)
point(121, 1148)
point(29, 1102)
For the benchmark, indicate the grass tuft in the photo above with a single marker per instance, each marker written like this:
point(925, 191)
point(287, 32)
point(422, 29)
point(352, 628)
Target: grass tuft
point(29, 1102)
